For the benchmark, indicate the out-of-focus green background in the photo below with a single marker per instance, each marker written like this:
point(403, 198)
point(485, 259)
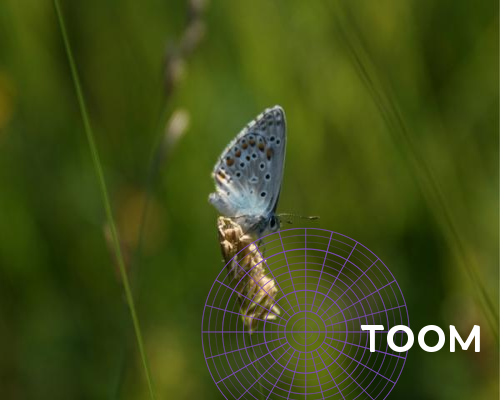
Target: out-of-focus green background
point(392, 111)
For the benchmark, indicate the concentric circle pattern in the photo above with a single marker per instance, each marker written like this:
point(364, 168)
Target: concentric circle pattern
point(329, 285)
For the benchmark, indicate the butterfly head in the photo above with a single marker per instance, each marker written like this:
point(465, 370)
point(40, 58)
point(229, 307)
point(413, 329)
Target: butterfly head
point(267, 225)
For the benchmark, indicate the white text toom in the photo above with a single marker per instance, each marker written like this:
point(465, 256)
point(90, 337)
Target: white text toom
point(454, 337)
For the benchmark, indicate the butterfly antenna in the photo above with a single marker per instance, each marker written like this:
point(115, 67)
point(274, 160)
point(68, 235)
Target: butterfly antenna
point(310, 218)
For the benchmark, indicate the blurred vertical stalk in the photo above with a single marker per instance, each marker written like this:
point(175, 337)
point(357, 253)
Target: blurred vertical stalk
point(174, 69)
point(254, 360)
point(247, 275)
point(105, 197)
point(422, 172)
point(171, 131)
point(175, 128)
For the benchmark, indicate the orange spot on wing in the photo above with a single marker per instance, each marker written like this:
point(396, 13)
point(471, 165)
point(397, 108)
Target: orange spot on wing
point(269, 153)
point(229, 162)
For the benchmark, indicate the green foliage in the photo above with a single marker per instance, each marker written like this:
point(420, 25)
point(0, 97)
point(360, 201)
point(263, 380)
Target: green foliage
point(392, 110)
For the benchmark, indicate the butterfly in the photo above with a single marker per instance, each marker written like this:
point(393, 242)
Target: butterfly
point(249, 173)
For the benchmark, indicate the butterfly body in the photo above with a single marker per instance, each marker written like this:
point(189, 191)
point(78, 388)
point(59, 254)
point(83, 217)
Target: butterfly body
point(249, 173)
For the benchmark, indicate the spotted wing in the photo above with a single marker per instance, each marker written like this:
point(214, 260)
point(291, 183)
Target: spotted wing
point(249, 172)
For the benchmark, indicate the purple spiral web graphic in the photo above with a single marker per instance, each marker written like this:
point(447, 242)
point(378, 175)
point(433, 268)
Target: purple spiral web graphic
point(329, 285)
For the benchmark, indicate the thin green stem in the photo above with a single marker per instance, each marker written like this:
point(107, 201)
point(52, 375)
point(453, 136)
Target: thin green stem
point(105, 197)
point(423, 174)
point(261, 389)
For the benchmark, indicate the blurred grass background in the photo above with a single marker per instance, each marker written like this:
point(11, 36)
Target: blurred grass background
point(392, 113)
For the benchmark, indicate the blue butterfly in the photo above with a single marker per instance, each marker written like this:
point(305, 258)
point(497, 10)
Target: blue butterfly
point(249, 173)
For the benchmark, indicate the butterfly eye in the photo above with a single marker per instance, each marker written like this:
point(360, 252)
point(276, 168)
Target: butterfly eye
point(272, 223)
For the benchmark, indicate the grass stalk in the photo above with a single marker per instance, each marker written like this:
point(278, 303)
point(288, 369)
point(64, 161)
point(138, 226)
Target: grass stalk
point(426, 180)
point(105, 197)
point(238, 251)
point(261, 388)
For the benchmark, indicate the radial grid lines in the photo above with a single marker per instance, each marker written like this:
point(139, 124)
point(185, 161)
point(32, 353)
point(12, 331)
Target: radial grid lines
point(328, 286)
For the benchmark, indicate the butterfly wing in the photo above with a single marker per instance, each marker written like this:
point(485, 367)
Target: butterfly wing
point(249, 172)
